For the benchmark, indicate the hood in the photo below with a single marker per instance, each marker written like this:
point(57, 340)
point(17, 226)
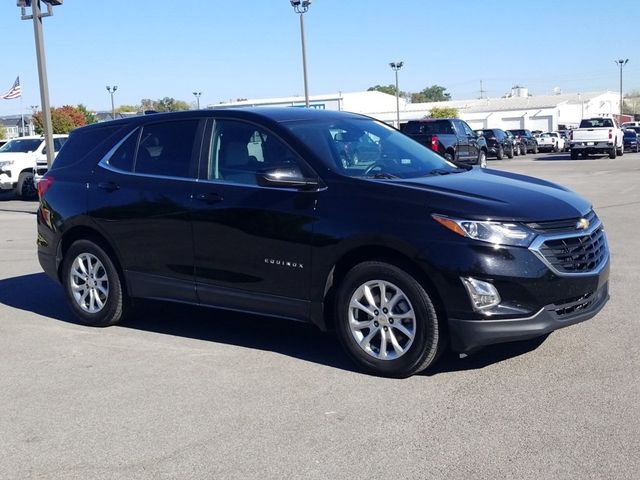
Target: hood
point(16, 156)
point(485, 194)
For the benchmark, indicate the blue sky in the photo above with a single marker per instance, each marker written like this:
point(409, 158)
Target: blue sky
point(251, 48)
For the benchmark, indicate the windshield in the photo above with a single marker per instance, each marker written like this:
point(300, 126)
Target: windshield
point(21, 146)
point(367, 148)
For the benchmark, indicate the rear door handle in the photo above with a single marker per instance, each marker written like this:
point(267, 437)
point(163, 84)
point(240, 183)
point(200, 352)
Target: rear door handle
point(209, 197)
point(109, 186)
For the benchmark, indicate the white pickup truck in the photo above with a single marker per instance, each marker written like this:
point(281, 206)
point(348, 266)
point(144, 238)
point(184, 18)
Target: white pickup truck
point(18, 159)
point(596, 135)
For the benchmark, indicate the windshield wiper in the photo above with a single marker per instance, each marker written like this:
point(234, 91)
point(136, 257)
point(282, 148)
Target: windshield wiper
point(382, 175)
point(442, 171)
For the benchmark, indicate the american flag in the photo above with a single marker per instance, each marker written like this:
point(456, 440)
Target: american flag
point(14, 92)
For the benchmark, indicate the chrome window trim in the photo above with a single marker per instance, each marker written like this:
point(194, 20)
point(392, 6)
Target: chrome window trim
point(540, 239)
point(104, 162)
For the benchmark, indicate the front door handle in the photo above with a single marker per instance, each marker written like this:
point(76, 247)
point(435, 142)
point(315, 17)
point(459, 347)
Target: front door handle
point(209, 197)
point(109, 186)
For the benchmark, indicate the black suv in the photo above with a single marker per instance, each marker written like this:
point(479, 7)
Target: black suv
point(255, 210)
point(450, 137)
point(526, 141)
point(499, 143)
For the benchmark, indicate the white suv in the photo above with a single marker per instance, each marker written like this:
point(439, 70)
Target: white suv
point(18, 159)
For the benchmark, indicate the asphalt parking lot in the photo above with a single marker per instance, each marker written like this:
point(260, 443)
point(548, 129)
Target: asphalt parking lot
point(180, 392)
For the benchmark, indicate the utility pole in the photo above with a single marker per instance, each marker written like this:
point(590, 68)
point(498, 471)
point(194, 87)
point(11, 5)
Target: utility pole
point(482, 91)
point(111, 91)
point(37, 16)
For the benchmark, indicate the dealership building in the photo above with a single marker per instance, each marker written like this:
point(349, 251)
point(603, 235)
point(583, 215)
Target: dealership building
point(517, 110)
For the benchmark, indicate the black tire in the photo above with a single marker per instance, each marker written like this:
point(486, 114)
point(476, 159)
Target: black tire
point(556, 149)
point(26, 188)
point(482, 159)
point(535, 149)
point(523, 150)
point(116, 305)
point(613, 153)
point(574, 154)
point(428, 341)
point(510, 153)
point(449, 157)
point(621, 151)
point(500, 154)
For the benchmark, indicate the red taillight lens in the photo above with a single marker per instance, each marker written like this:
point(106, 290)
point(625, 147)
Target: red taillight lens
point(434, 143)
point(610, 134)
point(43, 185)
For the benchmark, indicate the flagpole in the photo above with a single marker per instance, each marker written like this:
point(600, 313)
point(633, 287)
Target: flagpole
point(22, 113)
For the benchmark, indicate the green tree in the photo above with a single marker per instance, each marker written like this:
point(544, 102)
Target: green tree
point(434, 93)
point(3, 132)
point(128, 108)
point(166, 104)
point(444, 112)
point(388, 89)
point(63, 120)
point(89, 117)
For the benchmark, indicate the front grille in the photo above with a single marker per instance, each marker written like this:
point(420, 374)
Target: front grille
point(570, 306)
point(579, 254)
point(561, 226)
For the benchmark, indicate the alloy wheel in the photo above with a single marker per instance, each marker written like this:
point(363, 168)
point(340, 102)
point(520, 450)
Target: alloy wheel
point(382, 320)
point(89, 283)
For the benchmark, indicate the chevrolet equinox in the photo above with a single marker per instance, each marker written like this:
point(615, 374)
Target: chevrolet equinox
point(400, 252)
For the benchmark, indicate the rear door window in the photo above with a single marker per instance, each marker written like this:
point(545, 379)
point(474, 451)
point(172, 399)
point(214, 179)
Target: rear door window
point(167, 149)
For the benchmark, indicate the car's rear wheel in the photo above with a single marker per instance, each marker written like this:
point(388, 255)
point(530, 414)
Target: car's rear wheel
point(523, 150)
point(535, 149)
point(26, 188)
point(613, 153)
point(511, 152)
point(386, 321)
point(92, 285)
point(500, 154)
point(574, 154)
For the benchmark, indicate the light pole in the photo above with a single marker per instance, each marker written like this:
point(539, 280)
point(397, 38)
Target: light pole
point(395, 66)
point(37, 16)
point(34, 110)
point(621, 63)
point(301, 7)
point(111, 91)
point(197, 95)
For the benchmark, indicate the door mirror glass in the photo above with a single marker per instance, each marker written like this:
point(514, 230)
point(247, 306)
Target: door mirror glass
point(285, 177)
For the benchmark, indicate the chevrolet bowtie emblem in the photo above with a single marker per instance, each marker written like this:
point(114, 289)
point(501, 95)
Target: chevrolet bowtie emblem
point(582, 224)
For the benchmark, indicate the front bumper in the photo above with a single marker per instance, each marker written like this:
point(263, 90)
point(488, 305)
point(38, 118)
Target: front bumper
point(468, 335)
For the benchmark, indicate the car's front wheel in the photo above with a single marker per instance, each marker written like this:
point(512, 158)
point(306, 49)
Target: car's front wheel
point(386, 321)
point(26, 187)
point(92, 285)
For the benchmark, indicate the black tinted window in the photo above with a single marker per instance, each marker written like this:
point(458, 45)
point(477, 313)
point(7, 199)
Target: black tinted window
point(123, 157)
point(166, 148)
point(81, 143)
point(430, 128)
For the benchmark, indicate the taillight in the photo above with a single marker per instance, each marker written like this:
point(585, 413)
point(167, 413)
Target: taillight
point(610, 134)
point(434, 143)
point(43, 185)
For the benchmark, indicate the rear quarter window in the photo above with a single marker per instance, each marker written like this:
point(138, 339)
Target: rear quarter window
point(81, 143)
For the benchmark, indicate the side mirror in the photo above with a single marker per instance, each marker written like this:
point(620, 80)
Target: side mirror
point(285, 178)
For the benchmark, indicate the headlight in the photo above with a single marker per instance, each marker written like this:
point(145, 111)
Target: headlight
point(6, 163)
point(498, 233)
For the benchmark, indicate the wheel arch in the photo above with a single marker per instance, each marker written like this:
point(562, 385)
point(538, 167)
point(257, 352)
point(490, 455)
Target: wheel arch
point(382, 253)
point(85, 232)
